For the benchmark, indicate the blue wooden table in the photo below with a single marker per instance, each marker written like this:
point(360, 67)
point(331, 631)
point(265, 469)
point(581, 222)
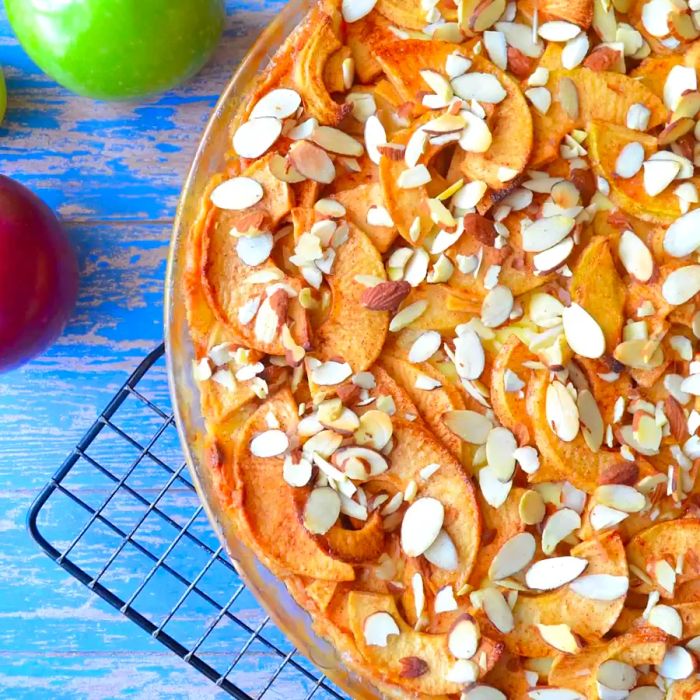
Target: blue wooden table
point(113, 173)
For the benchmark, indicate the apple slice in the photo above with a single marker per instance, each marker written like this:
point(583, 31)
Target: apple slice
point(672, 542)
point(276, 534)
point(580, 672)
point(431, 404)
point(415, 448)
point(586, 618)
point(430, 652)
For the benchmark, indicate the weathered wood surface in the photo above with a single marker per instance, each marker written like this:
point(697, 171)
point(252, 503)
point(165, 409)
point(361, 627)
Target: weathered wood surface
point(113, 172)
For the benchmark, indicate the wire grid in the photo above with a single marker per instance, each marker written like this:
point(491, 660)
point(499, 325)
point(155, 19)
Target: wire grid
point(121, 515)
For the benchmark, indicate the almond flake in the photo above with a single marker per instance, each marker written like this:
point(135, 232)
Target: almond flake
point(496, 47)
point(602, 517)
point(495, 492)
point(531, 508)
point(554, 257)
point(237, 194)
point(548, 574)
point(463, 672)
point(312, 162)
point(270, 443)
point(408, 315)
point(638, 116)
point(329, 373)
point(469, 356)
point(412, 178)
point(424, 346)
point(617, 675)
point(635, 257)
point(476, 136)
point(575, 51)
point(297, 473)
point(375, 136)
point(379, 626)
point(482, 692)
point(682, 237)
point(558, 30)
point(255, 137)
point(677, 664)
point(456, 65)
point(497, 306)
point(379, 216)
point(470, 426)
point(336, 141)
point(500, 451)
point(545, 233)
point(280, 103)
point(482, 87)
point(658, 175)
point(443, 553)
point(513, 556)
point(464, 637)
point(679, 80)
point(560, 637)
point(562, 412)
point(583, 334)
point(681, 285)
point(375, 429)
point(445, 600)
point(559, 526)
point(620, 497)
point(354, 10)
point(497, 610)
point(540, 97)
point(421, 525)
point(630, 159)
point(322, 510)
point(254, 250)
point(667, 619)
point(521, 37)
point(600, 586)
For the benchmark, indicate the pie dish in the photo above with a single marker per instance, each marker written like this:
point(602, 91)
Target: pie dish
point(437, 269)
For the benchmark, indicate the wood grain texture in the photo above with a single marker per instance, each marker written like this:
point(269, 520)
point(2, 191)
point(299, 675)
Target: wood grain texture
point(113, 172)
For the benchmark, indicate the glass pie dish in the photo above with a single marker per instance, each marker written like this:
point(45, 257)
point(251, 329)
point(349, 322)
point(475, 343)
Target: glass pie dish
point(210, 159)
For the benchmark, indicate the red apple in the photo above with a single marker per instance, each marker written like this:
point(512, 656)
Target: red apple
point(38, 275)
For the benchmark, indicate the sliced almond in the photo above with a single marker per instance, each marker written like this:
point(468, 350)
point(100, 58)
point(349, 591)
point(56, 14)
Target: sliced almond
point(682, 237)
point(270, 443)
point(557, 527)
point(237, 194)
point(554, 257)
point(562, 412)
point(375, 136)
point(421, 525)
point(312, 162)
point(630, 159)
point(681, 285)
point(558, 30)
point(464, 637)
point(493, 490)
point(424, 346)
point(476, 136)
point(583, 334)
point(482, 692)
point(548, 574)
point(600, 586)
point(470, 426)
point(359, 463)
point(602, 517)
point(375, 429)
point(667, 619)
point(322, 510)
point(620, 497)
point(378, 627)
point(560, 637)
point(658, 175)
point(443, 553)
point(521, 37)
point(411, 178)
point(513, 556)
point(531, 508)
point(678, 663)
point(255, 137)
point(635, 257)
point(482, 87)
point(500, 452)
point(497, 610)
point(617, 675)
point(445, 600)
point(540, 97)
point(497, 306)
point(336, 141)
point(544, 233)
point(280, 103)
point(329, 373)
point(463, 672)
point(469, 355)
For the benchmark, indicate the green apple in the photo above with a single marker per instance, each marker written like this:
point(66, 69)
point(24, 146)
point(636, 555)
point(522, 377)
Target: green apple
point(118, 49)
point(3, 96)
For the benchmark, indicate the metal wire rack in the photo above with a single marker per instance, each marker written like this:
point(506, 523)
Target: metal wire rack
point(121, 516)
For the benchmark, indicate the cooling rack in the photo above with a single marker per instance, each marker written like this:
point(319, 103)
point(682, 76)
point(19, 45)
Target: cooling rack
point(121, 515)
